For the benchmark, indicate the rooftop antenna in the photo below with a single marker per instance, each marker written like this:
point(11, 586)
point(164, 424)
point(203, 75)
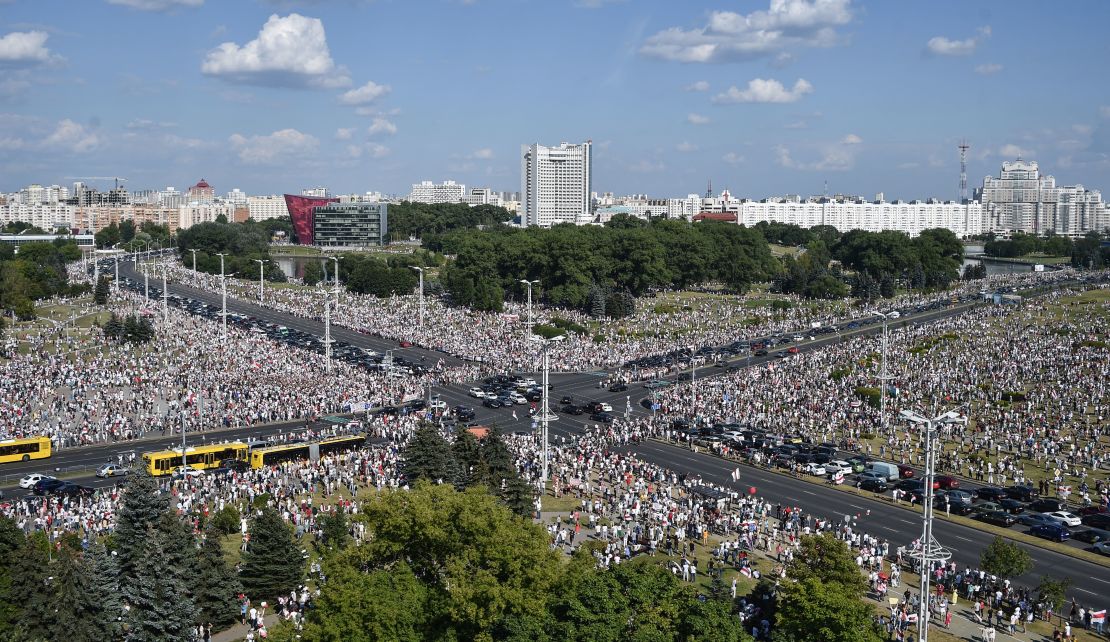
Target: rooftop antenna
point(963, 147)
point(826, 188)
point(709, 189)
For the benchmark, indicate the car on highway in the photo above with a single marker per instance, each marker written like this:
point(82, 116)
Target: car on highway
point(603, 417)
point(762, 352)
point(1065, 518)
point(185, 472)
point(1054, 532)
point(1038, 519)
point(1097, 520)
point(906, 472)
point(1103, 547)
point(838, 466)
point(1092, 535)
point(1047, 505)
point(477, 393)
point(874, 484)
point(859, 463)
point(1023, 493)
point(947, 482)
point(571, 409)
point(464, 413)
point(29, 481)
point(518, 398)
point(985, 507)
point(46, 485)
point(996, 517)
point(566, 399)
point(1012, 506)
point(813, 468)
point(990, 494)
point(111, 470)
point(228, 466)
point(492, 402)
point(437, 404)
point(618, 387)
point(870, 474)
point(70, 489)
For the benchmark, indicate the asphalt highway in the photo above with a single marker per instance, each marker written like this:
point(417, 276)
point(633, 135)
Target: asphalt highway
point(897, 525)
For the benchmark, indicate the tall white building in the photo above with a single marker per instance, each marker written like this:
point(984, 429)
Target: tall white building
point(46, 216)
point(482, 196)
point(1022, 199)
point(266, 207)
point(556, 183)
point(192, 213)
point(445, 192)
point(237, 197)
point(315, 192)
point(170, 197)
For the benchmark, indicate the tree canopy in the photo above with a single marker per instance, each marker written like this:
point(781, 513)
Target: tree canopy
point(416, 220)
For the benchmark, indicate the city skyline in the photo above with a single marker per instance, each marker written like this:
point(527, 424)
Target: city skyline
point(763, 98)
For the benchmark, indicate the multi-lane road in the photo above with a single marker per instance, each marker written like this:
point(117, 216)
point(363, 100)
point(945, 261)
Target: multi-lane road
point(897, 525)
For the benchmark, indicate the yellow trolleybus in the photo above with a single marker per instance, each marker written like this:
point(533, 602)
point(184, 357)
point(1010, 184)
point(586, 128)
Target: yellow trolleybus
point(270, 455)
point(24, 449)
point(163, 462)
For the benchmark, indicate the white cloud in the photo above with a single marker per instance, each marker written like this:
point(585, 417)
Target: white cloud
point(26, 48)
point(344, 133)
point(686, 146)
point(732, 158)
point(765, 91)
point(157, 5)
point(370, 149)
point(73, 137)
point(482, 154)
point(381, 126)
point(701, 85)
point(851, 139)
point(645, 166)
point(290, 51)
point(942, 46)
point(146, 123)
point(697, 119)
point(1013, 151)
point(834, 157)
point(285, 145)
point(1104, 111)
point(730, 36)
point(798, 124)
point(365, 94)
point(988, 69)
point(595, 4)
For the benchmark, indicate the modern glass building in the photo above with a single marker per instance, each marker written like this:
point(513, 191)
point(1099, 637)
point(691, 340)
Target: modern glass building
point(350, 224)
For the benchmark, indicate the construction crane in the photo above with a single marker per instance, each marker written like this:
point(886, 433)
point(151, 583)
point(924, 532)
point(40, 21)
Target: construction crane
point(117, 179)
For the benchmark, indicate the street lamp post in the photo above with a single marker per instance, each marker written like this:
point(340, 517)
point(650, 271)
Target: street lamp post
point(883, 375)
point(165, 298)
point(546, 415)
point(693, 397)
point(327, 331)
point(115, 282)
point(335, 289)
point(194, 266)
point(146, 283)
point(261, 272)
point(930, 551)
point(420, 273)
point(529, 286)
point(223, 295)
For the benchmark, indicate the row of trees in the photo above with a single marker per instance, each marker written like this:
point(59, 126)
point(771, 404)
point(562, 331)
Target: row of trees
point(416, 220)
point(125, 233)
point(37, 272)
point(242, 242)
point(627, 254)
point(1021, 244)
point(132, 328)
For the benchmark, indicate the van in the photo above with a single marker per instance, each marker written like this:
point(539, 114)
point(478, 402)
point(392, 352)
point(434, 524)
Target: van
point(884, 468)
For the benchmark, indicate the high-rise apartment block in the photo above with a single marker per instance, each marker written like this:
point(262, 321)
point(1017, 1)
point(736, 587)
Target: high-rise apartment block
point(1022, 199)
point(555, 184)
point(445, 192)
point(266, 207)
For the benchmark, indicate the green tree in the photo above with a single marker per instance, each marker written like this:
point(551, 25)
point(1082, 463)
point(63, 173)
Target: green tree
point(829, 560)
point(161, 603)
point(467, 453)
point(126, 231)
point(107, 236)
point(75, 604)
point(1053, 592)
point(143, 505)
point(1005, 559)
point(217, 587)
point(29, 587)
point(313, 273)
point(100, 295)
point(428, 456)
point(809, 609)
point(226, 520)
point(109, 616)
point(272, 564)
point(333, 530)
point(356, 606)
point(12, 542)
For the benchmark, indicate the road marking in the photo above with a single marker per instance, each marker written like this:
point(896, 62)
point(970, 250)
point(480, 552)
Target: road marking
point(1086, 591)
point(809, 492)
point(963, 538)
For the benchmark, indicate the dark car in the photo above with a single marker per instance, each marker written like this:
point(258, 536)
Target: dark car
point(492, 403)
point(761, 353)
point(991, 494)
point(1098, 520)
point(592, 406)
point(618, 387)
point(566, 399)
point(1047, 505)
point(231, 465)
point(1051, 531)
point(571, 409)
point(946, 482)
point(905, 472)
point(603, 417)
point(1023, 493)
point(69, 489)
point(46, 486)
point(416, 404)
point(1012, 506)
point(1092, 535)
point(874, 485)
point(996, 517)
point(464, 413)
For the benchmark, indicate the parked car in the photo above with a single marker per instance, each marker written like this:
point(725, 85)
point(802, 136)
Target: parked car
point(1097, 520)
point(111, 470)
point(184, 472)
point(1037, 519)
point(813, 468)
point(905, 472)
point(618, 387)
point(1023, 493)
point(986, 507)
point(477, 393)
point(571, 409)
point(1092, 535)
point(1103, 547)
point(29, 481)
point(871, 475)
point(991, 493)
point(996, 517)
point(838, 466)
point(1065, 518)
point(493, 402)
point(1012, 506)
point(1051, 531)
point(1046, 505)
point(603, 417)
point(874, 485)
point(70, 489)
point(946, 482)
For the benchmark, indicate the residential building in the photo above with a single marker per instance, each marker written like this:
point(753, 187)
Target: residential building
point(191, 214)
point(556, 184)
point(45, 216)
point(202, 192)
point(482, 196)
point(263, 208)
point(237, 197)
point(350, 224)
point(1022, 199)
point(84, 241)
point(445, 192)
point(97, 217)
point(315, 192)
point(170, 197)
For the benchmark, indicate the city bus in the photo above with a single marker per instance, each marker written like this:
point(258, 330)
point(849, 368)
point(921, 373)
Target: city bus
point(163, 462)
point(24, 449)
point(271, 455)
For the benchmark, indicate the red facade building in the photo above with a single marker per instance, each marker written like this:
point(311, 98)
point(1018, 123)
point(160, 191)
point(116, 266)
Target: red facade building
point(301, 211)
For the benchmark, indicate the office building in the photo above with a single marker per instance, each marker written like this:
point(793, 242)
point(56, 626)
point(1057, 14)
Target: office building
point(483, 196)
point(556, 183)
point(350, 224)
point(170, 197)
point(263, 208)
point(315, 192)
point(301, 210)
point(237, 197)
point(1022, 199)
point(445, 192)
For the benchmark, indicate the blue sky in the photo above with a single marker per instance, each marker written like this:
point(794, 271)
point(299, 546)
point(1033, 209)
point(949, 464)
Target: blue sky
point(764, 97)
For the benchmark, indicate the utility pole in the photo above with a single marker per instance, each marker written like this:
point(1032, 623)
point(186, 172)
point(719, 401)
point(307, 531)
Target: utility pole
point(335, 290)
point(223, 296)
point(327, 331)
point(884, 376)
point(420, 272)
point(693, 397)
point(929, 551)
point(115, 282)
point(546, 416)
point(194, 266)
point(531, 323)
point(146, 282)
point(261, 272)
point(165, 299)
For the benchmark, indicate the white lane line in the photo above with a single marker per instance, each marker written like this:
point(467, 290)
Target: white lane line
point(809, 492)
point(1086, 591)
point(963, 538)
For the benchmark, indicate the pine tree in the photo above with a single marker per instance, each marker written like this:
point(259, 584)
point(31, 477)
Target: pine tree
point(217, 587)
point(109, 617)
point(161, 605)
point(113, 328)
point(180, 547)
point(272, 564)
point(519, 496)
point(143, 505)
point(886, 285)
point(75, 602)
point(29, 585)
point(12, 542)
point(595, 302)
point(497, 458)
point(428, 456)
point(467, 453)
point(100, 294)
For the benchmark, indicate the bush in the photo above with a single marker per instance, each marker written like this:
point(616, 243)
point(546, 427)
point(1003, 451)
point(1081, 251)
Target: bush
point(568, 325)
point(779, 304)
point(839, 373)
point(869, 394)
point(547, 331)
point(664, 308)
point(1098, 345)
point(260, 501)
point(1013, 397)
point(599, 338)
point(226, 521)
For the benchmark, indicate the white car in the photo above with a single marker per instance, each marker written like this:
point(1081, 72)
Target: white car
point(182, 472)
point(894, 315)
point(29, 481)
point(733, 435)
point(605, 407)
point(813, 468)
point(1064, 517)
point(438, 404)
point(838, 466)
point(111, 470)
point(798, 337)
point(518, 398)
point(477, 393)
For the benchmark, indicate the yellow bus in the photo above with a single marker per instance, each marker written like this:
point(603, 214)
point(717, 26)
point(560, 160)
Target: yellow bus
point(271, 455)
point(163, 462)
point(24, 449)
